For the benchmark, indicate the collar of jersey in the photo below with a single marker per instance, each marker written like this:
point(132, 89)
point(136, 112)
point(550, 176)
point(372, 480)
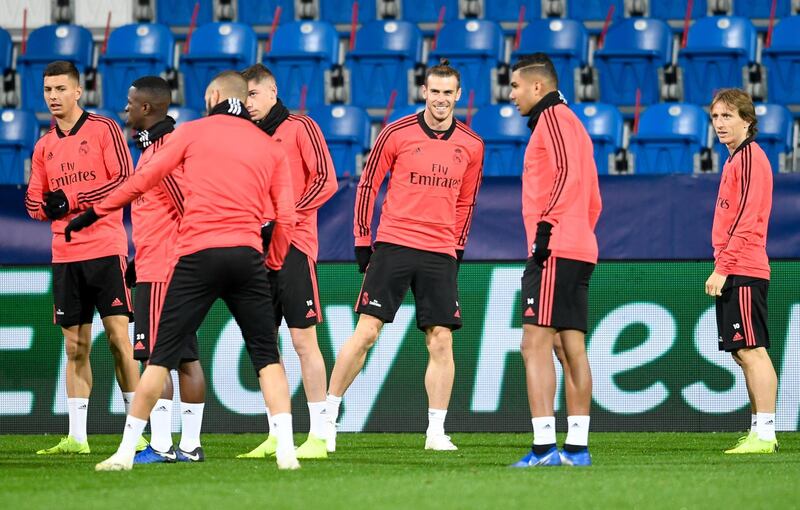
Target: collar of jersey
point(741, 146)
point(75, 128)
point(551, 99)
point(274, 118)
point(231, 106)
point(433, 134)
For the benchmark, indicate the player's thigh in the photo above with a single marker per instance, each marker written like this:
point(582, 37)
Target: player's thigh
point(435, 287)
point(105, 277)
point(741, 313)
point(295, 291)
point(72, 302)
point(386, 281)
point(568, 294)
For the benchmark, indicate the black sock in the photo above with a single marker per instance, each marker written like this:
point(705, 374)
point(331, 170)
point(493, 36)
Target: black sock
point(573, 448)
point(541, 449)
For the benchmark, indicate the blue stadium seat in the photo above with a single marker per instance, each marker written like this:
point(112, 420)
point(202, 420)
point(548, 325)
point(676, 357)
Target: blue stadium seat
point(384, 56)
point(475, 48)
point(402, 111)
point(595, 10)
point(782, 60)
point(605, 126)
point(214, 48)
point(300, 54)
point(717, 50)
point(45, 44)
point(133, 51)
point(347, 131)
point(505, 133)
point(676, 9)
point(508, 10)
point(177, 13)
point(341, 11)
point(262, 12)
point(751, 9)
point(19, 131)
point(5, 50)
point(428, 11)
point(670, 135)
point(565, 41)
point(634, 51)
point(182, 115)
point(775, 135)
point(105, 112)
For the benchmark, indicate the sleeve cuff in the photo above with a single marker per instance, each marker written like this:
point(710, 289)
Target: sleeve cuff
point(363, 241)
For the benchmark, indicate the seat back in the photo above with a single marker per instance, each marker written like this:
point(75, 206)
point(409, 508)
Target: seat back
point(604, 124)
point(19, 131)
point(782, 60)
point(775, 135)
point(594, 10)
point(428, 11)
point(262, 12)
point(177, 13)
point(676, 9)
point(133, 51)
point(508, 10)
point(347, 131)
point(341, 11)
point(5, 50)
point(505, 134)
point(670, 135)
point(749, 9)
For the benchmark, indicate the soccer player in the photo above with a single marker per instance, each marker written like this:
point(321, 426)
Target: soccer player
point(232, 175)
point(560, 207)
point(156, 216)
point(294, 288)
point(740, 279)
point(77, 163)
point(436, 164)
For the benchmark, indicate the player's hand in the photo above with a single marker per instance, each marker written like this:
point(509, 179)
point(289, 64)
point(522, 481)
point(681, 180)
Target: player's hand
point(363, 254)
point(130, 274)
point(56, 205)
point(541, 245)
point(266, 235)
point(80, 222)
point(459, 257)
point(715, 283)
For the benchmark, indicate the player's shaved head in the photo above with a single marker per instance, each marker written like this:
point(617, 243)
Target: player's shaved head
point(537, 66)
point(154, 90)
point(228, 84)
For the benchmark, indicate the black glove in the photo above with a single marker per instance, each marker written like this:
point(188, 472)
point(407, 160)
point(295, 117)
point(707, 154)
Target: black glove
point(541, 250)
point(56, 205)
point(80, 222)
point(363, 254)
point(266, 235)
point(459, 257)
point(130, 274)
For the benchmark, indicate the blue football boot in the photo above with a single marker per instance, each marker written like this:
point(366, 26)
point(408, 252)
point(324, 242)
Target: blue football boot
point(152, 456)
point(195, 455)
point(581, 458)
point(550, 458)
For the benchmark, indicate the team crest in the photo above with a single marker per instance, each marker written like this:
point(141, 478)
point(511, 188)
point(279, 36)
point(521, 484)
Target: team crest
point(458, 155)
point(84, 147)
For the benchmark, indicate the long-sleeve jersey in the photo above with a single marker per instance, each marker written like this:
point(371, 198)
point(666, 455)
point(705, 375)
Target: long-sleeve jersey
point(313, 176)
point(741, 215)
point(87, 163)
point(231, 173)
point(559, 183)
point(155, 217)
point(432, 188)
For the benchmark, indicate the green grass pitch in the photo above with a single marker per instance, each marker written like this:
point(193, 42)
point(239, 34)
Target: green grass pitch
point(382, 471)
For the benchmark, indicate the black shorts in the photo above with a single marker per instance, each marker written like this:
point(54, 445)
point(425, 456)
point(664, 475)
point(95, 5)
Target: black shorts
point(433, 278)
point(295, 295)
point(742, 313)
point(557, 295)
point(148, 299)
point(236, 275)
point(80, 287)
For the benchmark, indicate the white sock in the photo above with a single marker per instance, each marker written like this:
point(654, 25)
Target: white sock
point(78, 409)
point(282, 428)
point(436, 422)
point(316, 414)
point(578, 430)
point(191, 422)
point(127, 397)
point(753, 422)
point(131, 434)
point(269, 422)
point(544, 430)
point(161, 425)
point(332, 404)
point(766, 426)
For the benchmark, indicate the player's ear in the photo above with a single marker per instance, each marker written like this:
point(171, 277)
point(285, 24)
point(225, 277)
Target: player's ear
point(78, 92)
point(424, 91)
point(458, 93)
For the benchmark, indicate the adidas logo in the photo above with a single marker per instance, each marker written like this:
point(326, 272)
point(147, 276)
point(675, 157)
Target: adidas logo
point(738, 336)
point(529, 312)
point(188, 411)
point(769, 422)
point(161, 409)
point(83, 406)
point(139, 346)
point(116, 302)
point(547, 427)
point(128, 426)
point(311, 314)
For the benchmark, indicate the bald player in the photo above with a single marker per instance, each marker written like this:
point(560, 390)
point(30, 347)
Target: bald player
point(233, 174)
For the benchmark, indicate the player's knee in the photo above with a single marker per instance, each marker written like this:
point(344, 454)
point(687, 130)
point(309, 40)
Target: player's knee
point(76, 348)
point(440, 342)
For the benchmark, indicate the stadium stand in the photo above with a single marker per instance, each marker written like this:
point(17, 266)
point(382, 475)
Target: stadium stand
point(605, 126)
point(670, 139)
point(475, 48)
point(782, 61)
point(347, 131)
point(509, 10)
point(505, 134)
point(383, 61)
point(182, 115)
point(301, 57)
point(340, 12)
point(45, 44)
point(425, 13)
point(262, 12)
point(133, 51)
point(215, 47)
point(632, 58)
point(402, 111)
point(178, 13)
point(19, 131)
point(565, 41)
point(594, 12)
point(775, 136)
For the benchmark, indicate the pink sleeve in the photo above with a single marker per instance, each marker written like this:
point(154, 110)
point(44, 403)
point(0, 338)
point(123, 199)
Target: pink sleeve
point(379, 162)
